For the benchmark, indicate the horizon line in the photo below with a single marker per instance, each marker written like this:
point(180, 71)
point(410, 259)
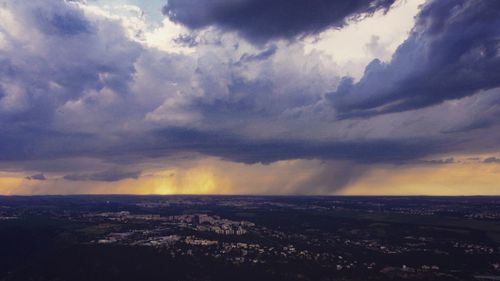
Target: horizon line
point(240, 195)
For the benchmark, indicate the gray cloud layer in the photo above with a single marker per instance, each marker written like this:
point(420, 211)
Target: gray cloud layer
point(107, 176)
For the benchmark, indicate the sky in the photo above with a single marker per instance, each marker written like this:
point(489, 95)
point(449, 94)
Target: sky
point(285, 97)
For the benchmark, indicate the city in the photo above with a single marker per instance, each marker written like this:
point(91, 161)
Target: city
point(272, 238)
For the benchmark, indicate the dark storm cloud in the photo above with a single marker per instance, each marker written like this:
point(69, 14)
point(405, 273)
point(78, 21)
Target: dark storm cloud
point(238, 149)
point(260, 20)
point(45, 144)
point(229, 146)
point(483, 123)
point(452, 52)
point(106, 176)
point(38, 177)
point(67, 23)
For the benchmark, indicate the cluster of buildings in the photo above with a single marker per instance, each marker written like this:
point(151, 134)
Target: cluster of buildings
point(192, 240)
point(204, 222)
point(4, 218)
point(126, 216)
point(7, 214)
point(406, 272)
point(472, 248)
point(198, 222)
point(414, 211)
point(233, 252)
point(485, 215)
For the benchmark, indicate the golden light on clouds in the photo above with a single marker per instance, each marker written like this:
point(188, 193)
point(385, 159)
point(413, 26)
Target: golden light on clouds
point(10, 185)
point(198, 180)
point(215, 176)
point(449, 179)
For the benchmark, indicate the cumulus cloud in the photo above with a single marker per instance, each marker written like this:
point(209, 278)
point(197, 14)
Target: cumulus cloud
point(70, 60)
point(452, 52)
point(260, 21)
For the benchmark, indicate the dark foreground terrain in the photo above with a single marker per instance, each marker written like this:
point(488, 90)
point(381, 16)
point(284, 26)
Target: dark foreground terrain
point(249, 238)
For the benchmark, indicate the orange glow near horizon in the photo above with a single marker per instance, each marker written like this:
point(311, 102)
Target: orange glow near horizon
point(11, 185)
point(453, 179)
point(215, 176)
